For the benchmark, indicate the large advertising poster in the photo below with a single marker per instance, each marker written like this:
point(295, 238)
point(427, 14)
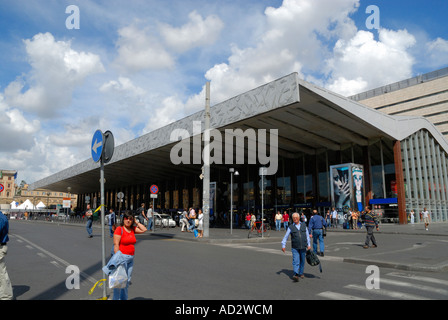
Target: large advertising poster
point(347, 187)
point(358, 187)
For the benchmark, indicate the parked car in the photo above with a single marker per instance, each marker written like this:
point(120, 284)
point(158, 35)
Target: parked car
point(165, 219)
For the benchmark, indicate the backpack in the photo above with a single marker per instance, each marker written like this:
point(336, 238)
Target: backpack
point(312, 259)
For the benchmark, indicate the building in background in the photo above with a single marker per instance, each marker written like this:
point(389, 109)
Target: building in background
point(425, 96)
point(7, 180)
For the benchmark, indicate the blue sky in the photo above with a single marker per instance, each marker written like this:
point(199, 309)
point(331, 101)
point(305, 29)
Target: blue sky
point(134, 66)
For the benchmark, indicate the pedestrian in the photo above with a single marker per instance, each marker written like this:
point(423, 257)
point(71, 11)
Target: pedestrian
point(285, 220)
point(200, 223)
point(278, 221)
point(150, 218)
point(316, 225)
point(112, 221)
point(5, 282)
point(355, 216)
point(300, 243)
point(184, 220)
point(426, 217)
point(248, 220)
point(142, 213)
point(252, 220)
point(334, 218)
point(412, 216)
point(192, 220)
point(370, 221)
point(328, 218)
point(89, 216)
point(124, 242)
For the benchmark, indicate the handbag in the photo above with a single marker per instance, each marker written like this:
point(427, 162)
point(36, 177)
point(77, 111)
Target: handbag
point(119, 278)
point(324, 229)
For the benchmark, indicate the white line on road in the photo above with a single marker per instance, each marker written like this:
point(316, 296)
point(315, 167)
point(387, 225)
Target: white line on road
point(338, 296)
point(56, 258)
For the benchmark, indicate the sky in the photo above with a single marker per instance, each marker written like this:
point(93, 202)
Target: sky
point(68, 68)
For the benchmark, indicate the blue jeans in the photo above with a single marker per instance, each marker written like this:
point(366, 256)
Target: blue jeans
point(285, 225)
point(278, 225)
point(122, 294)
point(150, 224)
point(317, 235)
point(298, 260)
point(89, 226)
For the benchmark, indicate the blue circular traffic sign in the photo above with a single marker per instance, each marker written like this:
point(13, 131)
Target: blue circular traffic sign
point(154, 189)
point(97, 145)
point(2, 188)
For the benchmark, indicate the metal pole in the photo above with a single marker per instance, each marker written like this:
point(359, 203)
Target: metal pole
point(231, 201)
point(103, 246)
point(262, 206)
point(206, 181)
point(153, 219)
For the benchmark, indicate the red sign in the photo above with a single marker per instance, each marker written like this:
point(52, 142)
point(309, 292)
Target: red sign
point(2, 188)
point(154, 189)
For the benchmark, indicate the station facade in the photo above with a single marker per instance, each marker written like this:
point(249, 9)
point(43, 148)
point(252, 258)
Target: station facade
point(329, 151)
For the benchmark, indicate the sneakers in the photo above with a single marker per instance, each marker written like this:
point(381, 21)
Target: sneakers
point(367, 247)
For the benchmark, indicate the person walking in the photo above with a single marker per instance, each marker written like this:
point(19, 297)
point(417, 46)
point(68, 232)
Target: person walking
point(278, 221)
point(5, 283)
point(200, 223)
point(334, 218)
point(316, 225)
point(124, 249)
point(300, 243)
point(412, 216)
point(426, 217)
point(328, 218)
point(371, 222)
point(89, 216)
point(192, 220)
point(248, 217)
point(355, 216)
point(112, 221)
point(150, 217)
point(285, 220)
point(184, 221)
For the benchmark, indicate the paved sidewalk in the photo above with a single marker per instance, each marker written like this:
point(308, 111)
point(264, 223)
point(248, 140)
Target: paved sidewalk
point(402, 251)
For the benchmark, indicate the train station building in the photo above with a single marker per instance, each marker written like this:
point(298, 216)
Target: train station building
point(321, 150)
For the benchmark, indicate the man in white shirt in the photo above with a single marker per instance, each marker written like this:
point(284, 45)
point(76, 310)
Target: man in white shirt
point(426, 217)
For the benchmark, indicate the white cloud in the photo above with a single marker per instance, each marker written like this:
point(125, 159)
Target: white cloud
point(196, 33)
point(138, 50)
point(293, 39)
point(437, 53)
point(363, 63)
point(57, 70)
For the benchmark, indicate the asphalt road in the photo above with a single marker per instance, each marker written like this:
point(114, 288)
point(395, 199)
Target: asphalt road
point(170, 268)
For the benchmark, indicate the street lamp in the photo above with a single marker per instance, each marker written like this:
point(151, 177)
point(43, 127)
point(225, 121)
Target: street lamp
point(232, 172)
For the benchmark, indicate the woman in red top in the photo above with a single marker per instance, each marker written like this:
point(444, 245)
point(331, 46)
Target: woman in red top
point(124, 241)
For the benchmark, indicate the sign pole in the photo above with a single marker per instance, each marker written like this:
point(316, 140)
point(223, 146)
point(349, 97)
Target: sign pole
point(103, 245)
point(206, 181)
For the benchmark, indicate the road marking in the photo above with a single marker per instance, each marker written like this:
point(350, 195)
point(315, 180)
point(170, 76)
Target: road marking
point(56, 258)
point(387, 293)
point(338, 296)
point(411, 285)
point(419, 278)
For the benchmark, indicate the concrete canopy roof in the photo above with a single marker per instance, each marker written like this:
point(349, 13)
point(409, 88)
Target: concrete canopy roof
point(308, 118)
